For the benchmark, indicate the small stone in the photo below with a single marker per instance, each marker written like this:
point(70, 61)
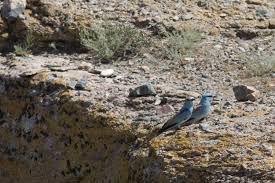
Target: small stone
point(218, 47)
point(5, 35)
point(262, 25)
point(165, 109)
point(202, 3)
point(268, 149)
point(61, 68)
point(245, 93)
point(176, 18)
point(256, 2)
point(85, 66)
point(227, 105)
point(107, 73)
point(80, 85)
point(263, 13)
point(187, 17)
point(210, 142)
point(144, 90)
point(196, 153)
point(71, 84)
point(158, 101)
point(145, 68)
point(205, 127)
point(223, 15)
point(189, 59)
point(183, 94)
point(161, 101)
point(242, 49)
point(271, 24)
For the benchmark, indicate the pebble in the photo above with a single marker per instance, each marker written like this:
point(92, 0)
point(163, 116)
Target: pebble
point(144, 90)
point(165, 109)
point(107, 73)
point(205, 127)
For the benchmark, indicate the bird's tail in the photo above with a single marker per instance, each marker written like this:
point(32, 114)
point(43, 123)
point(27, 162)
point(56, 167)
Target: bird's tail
point(171, 127)
point(161, 131)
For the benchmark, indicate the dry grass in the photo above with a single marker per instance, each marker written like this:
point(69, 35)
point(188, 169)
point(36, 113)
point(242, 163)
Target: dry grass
point(112, 42)
point(24, 48)
point(261, 67)
point(181, 43)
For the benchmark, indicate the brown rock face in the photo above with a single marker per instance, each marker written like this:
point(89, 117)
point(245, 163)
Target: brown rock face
point(45, 139)
point(53, 131)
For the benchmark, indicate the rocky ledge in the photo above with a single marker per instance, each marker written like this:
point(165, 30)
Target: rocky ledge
point(61, 123)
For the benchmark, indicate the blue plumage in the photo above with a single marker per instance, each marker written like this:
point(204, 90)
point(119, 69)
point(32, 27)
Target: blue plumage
point(183, 115)
point(202, 110)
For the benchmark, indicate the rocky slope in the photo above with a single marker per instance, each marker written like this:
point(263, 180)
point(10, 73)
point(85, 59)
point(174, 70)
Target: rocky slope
point(63, 121)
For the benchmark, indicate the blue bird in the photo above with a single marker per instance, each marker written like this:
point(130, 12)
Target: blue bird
point(181, 117)
point(202, 110)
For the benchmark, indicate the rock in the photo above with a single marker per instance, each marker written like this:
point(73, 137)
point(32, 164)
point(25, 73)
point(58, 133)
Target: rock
point(262, 13)
point(256, 2)
point(161, 101)
point(205, 127)
point(181, 94)
point(272, 24)
point(158, 101)
point(107, 73)
point(223, 15)
point(165, 109)
point(60, 68)
point(210, 142)
point(71, 84)
point(268, 149)
point(80, 85)
point(202, 3)
point(187, 17)
point(189, 59)
point(144, 90)
point(145, 68)
point(218, 47)
point(245, 93)
point(12, 9)
point(176, 18)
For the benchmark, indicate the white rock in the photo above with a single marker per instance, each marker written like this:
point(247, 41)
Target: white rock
point(107, 72)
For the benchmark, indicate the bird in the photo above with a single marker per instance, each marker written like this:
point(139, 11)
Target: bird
point(203, 110)
point(182, 116)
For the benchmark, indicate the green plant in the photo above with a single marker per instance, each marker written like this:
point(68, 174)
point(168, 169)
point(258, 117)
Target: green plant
point(24, 48)
point(262, 67)
point(110, 42)
point(181, 43)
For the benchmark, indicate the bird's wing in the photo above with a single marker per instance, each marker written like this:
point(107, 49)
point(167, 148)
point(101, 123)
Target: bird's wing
point(198, 114)
point(179, 117)
point(197, 109)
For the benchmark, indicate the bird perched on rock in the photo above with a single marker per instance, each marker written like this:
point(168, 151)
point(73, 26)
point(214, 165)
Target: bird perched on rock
point(181, 117)
point(202, 110)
